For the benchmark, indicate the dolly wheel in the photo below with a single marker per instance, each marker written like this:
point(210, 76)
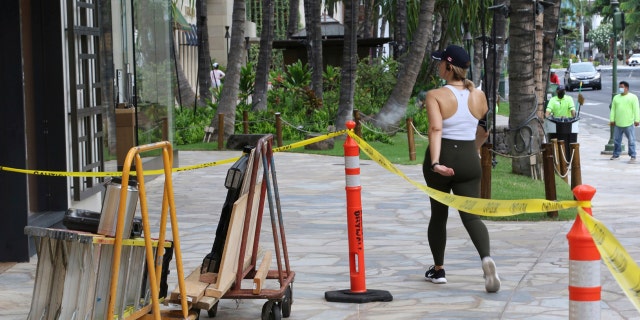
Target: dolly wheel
point(271, 311)
point(287, 301)
point(213, 311)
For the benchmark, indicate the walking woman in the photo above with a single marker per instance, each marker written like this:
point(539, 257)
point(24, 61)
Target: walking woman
point(451, 162)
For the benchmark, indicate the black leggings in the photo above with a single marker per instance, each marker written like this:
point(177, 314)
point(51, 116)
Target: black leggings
point(463, 157)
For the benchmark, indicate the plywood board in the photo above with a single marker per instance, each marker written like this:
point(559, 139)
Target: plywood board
point(193, 286)
point(230, 257)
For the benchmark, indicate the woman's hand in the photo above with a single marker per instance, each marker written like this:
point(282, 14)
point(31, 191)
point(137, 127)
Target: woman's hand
point(443, 170)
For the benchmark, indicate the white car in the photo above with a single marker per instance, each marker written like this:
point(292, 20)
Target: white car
point(634, 60)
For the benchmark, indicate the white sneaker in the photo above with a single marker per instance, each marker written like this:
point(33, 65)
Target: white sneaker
point(491, 279)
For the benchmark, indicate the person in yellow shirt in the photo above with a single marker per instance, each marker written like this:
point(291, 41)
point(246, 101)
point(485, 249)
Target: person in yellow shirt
point(561, 105)
point(624, 116)
point(561, 108)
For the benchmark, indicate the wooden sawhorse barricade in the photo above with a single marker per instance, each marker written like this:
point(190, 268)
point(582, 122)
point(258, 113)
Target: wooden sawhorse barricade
point(240, 256)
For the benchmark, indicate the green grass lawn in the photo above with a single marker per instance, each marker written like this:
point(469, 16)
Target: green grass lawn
point(504, 184)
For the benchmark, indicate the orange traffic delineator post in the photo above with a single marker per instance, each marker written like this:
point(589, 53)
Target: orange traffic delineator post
point(584, 265)
point(358, 292)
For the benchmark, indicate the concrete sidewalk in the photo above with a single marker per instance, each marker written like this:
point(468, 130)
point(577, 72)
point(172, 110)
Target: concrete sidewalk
point(532, 257)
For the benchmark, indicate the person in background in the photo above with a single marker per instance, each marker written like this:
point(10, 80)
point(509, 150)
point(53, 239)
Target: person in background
point(561, 105)
point(451, 161)
point(561, 108)
point(553, 78)
point(624, 116)
point(216, 76)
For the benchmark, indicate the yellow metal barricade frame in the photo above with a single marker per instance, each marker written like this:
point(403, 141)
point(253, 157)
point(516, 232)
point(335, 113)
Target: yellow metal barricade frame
point(154, 267)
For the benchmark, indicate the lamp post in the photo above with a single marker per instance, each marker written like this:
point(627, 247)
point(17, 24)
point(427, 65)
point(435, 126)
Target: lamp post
point(468, 40)
point(608, 149)
point(227, 36)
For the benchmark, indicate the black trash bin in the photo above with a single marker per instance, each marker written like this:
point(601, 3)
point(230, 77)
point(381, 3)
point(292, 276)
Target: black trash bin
point(563, 133)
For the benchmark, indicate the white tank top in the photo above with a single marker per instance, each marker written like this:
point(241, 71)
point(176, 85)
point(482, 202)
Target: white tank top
point(462, 124)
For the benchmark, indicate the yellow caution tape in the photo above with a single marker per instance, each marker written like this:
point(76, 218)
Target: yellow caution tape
point(483, 207)
point(161, 171)
point(310, 141)
point(619, 262)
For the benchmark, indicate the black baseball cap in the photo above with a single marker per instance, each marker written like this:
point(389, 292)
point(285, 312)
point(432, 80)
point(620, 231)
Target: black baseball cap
point(455, 55)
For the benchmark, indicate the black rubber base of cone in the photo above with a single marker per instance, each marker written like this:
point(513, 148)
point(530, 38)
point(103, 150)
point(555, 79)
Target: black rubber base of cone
point(357, 297)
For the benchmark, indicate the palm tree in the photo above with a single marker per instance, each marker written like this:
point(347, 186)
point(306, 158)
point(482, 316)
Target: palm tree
point(314, 44)
point(394, 109)
point(400, 30)
point(550, 31)
point(349, 65)
point(185, 93)
point(230, 89)
point(292, 25)
point(204, 58)
point(264, 57)
point(525, 135)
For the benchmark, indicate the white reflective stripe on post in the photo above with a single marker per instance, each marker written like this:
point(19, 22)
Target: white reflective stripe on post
point(352, 180)
point(584, 274)
point(351, 162)
point(581, 310)
point(352, 171)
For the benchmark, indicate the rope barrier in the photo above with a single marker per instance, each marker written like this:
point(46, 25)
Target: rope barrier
point(424, 137)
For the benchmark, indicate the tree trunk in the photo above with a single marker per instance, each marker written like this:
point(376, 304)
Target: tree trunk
point(264, 57)
point(495, 56)
point(524, 136)
point(204, 59)
point(237, 55)
point(368, 19)
point(184, 91)
point(550, 31)
point(400, 31)
point(395, 108)
point(294, 11)
point(314, 44)
point(349, 65)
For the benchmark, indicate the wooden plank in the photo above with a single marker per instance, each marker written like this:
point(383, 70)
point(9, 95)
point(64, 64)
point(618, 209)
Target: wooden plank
point(194, 288)
point(230, 257)
point(261, 274)
point(252, 226)
point(171, 314)
point(205, 303)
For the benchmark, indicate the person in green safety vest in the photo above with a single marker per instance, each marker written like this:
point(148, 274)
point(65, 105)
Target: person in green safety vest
point(561, 105)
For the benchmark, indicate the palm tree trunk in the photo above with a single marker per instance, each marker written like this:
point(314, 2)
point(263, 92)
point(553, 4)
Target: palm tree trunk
point(493, 66)
point(550, 30)
point(204, 59)
point(183, 89)
point(237, 53)
point(314, 44)
point(400, 30)
point(394, 109)
point(524, 136)
point(264, 57)
point(292, 25)
point(349, 66)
